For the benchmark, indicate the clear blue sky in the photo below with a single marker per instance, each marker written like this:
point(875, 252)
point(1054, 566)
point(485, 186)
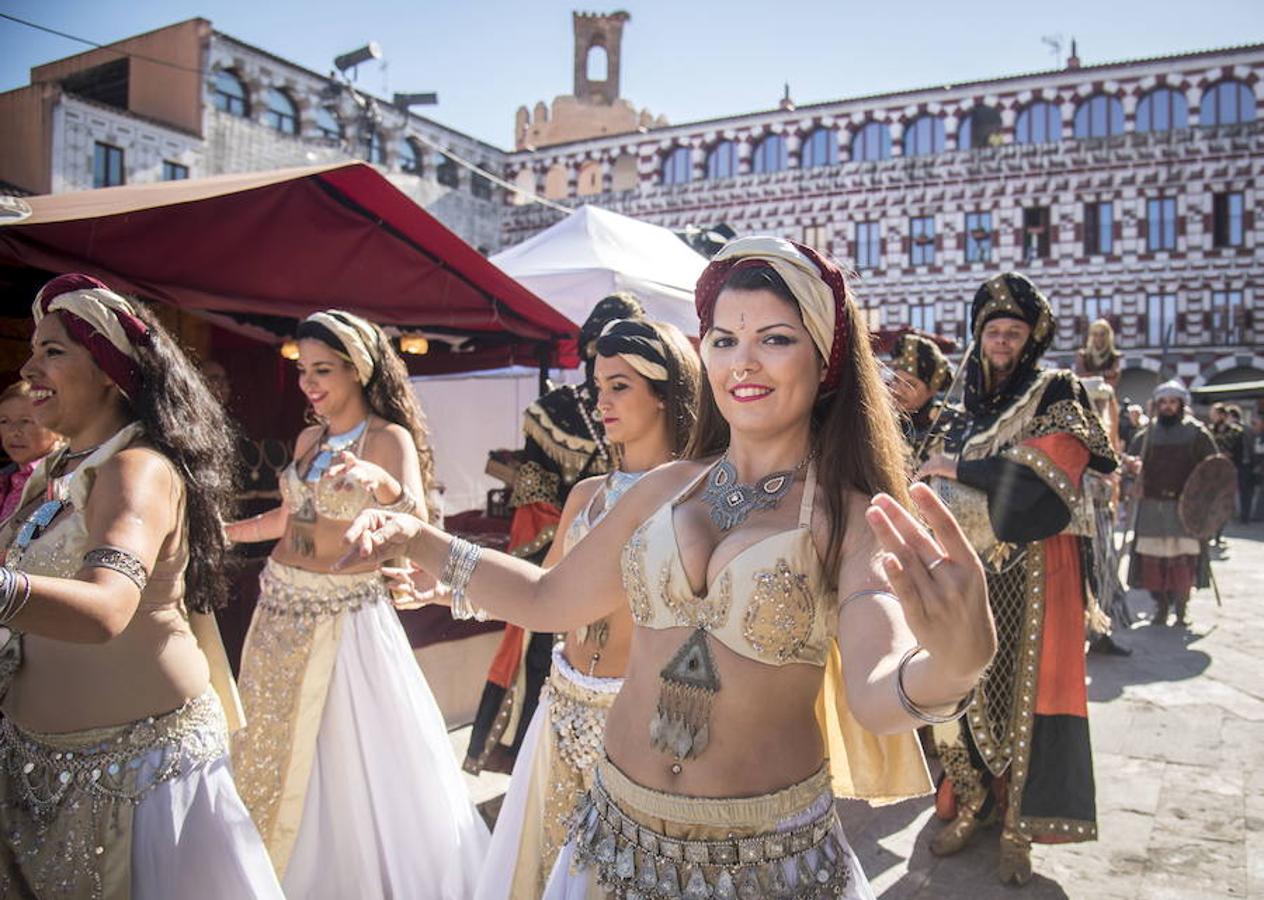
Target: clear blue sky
point(681, 58)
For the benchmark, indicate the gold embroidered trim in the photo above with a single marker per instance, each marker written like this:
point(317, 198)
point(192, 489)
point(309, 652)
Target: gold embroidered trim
point(779, 617)
point(632, 569)
point(1008, 425)
point(536, 544)
point(569, 451)
point(535, 484)
point(1066, 830)
point(708, 612)
point(1047, 471)
point(1068, 416)
point(1013, 750)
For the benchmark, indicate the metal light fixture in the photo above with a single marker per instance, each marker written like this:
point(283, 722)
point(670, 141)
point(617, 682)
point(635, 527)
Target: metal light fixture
point(414, 344)
point(404, 101)
point(371, 50)
point(289, 349)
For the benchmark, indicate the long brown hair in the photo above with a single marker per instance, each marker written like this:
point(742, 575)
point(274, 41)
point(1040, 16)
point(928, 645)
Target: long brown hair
point(390, 397)
point(854, 428)
point(679, 392)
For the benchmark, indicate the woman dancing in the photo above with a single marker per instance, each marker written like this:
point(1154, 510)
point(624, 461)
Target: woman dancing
point(748, 568)
point(345, 762)
point(114, 772)
point(647, 384)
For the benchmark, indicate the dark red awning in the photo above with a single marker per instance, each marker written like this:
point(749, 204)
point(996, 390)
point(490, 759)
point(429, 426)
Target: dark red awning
point(262, 248)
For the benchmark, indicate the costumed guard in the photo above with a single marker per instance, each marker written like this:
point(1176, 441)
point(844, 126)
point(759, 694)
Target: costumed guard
point(1011, 469)
point(920, 372)
point(1168, 559)
point(564, 444)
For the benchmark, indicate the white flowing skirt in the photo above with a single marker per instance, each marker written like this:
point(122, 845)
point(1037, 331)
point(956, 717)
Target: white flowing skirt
point(192, 838)
point(502, 856)
point(566, 882)
point(386, 812)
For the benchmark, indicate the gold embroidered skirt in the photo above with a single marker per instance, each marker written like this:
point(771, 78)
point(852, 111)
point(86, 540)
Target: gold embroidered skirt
point(640, 843)
point(286, 665)
point(67, 801)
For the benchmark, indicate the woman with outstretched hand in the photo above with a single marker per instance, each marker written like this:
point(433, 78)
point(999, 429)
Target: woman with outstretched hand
point(795, 623)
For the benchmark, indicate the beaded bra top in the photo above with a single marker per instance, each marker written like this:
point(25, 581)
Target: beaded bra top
point(616, 485)
point(312, 496)
point(770, 603)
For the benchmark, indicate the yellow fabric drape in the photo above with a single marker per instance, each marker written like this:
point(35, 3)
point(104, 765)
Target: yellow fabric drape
point(879, 769)
point(205, 630)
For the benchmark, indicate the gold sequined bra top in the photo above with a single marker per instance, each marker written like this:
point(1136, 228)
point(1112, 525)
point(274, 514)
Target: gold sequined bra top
point(316, 496)
point(771, 602)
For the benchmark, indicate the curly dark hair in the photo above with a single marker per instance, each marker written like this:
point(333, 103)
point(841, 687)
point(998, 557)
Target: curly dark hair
point(389, 396)
point(185, 423)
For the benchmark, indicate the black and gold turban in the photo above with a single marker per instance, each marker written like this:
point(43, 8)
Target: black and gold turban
point(921, 357)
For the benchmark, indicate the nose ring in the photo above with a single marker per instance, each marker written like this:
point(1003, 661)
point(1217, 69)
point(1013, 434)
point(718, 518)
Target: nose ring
point(739, 375)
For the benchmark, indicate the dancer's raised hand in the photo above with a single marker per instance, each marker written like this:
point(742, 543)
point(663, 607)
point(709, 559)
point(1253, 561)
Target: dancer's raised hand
point(376, 536)
point(939, 581)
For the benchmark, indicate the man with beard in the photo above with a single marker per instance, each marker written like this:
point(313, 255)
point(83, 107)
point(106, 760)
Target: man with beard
point(564, 444)
point(919, 372)
point(1011, 468)
point(1167, 560)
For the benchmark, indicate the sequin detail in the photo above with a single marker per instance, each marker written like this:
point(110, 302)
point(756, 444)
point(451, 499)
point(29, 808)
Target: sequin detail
point(711, 611)
point(632, 862)
point(68, 799)
point(779, 618)
point(635, 583)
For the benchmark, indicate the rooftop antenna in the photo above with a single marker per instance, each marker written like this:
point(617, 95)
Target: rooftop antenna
point(1054, 42)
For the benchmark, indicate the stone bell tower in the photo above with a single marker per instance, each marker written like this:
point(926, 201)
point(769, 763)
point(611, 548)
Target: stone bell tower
point(595, 108)
point(597, 36)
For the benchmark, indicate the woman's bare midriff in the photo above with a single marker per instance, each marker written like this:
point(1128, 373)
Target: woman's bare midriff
point(612, 659)
point(153, 667)
point(327, 542)
point(764, 734)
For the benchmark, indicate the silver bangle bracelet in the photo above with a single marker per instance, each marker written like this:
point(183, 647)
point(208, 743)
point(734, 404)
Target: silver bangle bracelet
point(916, 711)
point(458, 569)
point(870, 592)
point(405, 503)
point(15, 593)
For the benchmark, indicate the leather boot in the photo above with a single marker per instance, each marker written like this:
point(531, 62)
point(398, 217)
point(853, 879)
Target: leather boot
point(956, 834)
point(1014, 864)
point(1182, 600)
point(1160, 614)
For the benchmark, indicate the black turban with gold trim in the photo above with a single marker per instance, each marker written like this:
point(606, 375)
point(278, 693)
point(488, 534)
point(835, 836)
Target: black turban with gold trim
point(1009, 295)
point(921, 357)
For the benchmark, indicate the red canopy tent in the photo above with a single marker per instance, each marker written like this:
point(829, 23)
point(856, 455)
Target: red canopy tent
point(258, 250)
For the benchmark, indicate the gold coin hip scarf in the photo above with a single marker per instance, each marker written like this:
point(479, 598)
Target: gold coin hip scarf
point(578, 706)
point(297, 593)
point(805, 861)
point(67, 800)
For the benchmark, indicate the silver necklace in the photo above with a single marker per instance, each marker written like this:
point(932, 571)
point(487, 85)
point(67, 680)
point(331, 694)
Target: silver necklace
point(731, 501)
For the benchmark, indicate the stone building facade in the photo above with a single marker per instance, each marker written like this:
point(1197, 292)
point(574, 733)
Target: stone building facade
point(217, 105)
point(1127, 191)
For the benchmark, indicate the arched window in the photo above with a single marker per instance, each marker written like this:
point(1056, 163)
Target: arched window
point(1039, 123)
point(328, 124)
point(873, 142)
point(281, 113)
point(770, 155)
point(446, 171)
point(598, 63)
point(1227, 103)
point(820, 149)
point(722, 160)
point(589, 181)
point(923, 136)
point(525, 182)
point(230, 94)
point(1098, 117)
point(677, 166)
point(409, 158)
point(624, 177)
point(374, 149)
point(1162, 110)
point(980, 127)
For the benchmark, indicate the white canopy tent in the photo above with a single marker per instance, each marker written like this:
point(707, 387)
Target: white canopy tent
point(588, 255)
point(594, 252)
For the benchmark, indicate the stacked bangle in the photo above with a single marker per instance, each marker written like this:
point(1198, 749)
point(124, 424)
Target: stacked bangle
point(458, 568)
point(15, 593)
point(405, 503)
point(916, 711)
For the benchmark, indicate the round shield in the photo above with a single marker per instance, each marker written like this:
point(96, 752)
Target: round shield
point(1209, 497)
